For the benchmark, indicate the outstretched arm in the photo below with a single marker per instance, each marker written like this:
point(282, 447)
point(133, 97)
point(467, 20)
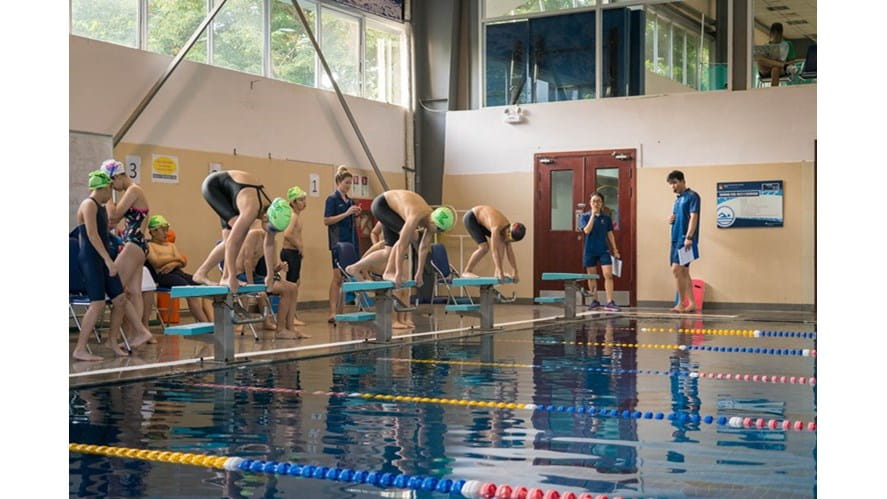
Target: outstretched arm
point(403, 242)
point(509, 251)
point(496, 243)
point(424, 247)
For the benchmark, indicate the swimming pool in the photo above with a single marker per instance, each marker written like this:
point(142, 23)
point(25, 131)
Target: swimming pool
point(619, 407)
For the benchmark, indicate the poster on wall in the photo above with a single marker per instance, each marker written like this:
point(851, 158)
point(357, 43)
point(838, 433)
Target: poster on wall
point(164, 169)
point(749, 204)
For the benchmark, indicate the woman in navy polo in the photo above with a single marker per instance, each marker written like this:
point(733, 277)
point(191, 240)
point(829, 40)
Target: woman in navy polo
point(338, 216)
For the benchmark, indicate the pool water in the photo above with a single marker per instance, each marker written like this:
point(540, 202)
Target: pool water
point(653, 441)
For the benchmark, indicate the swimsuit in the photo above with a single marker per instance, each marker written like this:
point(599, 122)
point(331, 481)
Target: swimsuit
point(477, 231)
point(132, 233)
point(220, 190)
point(97, 279)
point(392, 223)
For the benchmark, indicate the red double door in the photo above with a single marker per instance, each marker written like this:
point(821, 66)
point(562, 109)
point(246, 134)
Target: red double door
point(564, 183)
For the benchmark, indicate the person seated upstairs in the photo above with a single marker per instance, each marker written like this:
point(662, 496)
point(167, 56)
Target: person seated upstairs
point(490, 229)
point(169, 264)
point(771, 57)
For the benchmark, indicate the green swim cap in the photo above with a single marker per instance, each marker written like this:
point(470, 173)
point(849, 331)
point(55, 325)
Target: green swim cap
point(157, 221)
point(98, 179)
point(444, 218)
point(295, 192)
point(279, 214)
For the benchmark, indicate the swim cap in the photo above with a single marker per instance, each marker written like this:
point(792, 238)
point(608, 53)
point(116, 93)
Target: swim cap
point(113, 167)
point(279, 214)
point(517, 231)
point(157, 221)
point(295, 192)
point(444, 217)
point(98, 179)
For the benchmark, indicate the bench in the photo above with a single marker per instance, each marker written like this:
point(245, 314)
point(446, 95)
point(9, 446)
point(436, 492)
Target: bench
point(571, 285)
point(219, 333)
point(385, 305)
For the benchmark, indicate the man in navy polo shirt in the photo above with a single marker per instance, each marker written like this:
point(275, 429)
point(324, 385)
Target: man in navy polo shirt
point(684, 222)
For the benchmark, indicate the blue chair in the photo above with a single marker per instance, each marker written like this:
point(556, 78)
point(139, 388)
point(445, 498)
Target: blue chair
point(77, 293)
point(809, 71)
point(444, 275)
point(347, 255)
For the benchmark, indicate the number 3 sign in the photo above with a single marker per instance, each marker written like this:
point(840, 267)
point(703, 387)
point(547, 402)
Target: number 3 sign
point(134, 168)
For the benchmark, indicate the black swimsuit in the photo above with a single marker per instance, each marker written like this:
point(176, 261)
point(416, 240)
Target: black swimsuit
point(220, 191)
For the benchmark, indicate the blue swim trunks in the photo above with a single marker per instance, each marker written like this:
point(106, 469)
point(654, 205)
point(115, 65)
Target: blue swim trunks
point(590, 261)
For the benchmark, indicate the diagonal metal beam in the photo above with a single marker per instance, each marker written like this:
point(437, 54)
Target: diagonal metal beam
point(166, 74)
point(339, 94)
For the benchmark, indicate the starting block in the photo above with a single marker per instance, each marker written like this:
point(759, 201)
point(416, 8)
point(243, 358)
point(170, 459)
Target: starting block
point(488, 295)
point(219, 333)
point(385, 304)
point(571, 285)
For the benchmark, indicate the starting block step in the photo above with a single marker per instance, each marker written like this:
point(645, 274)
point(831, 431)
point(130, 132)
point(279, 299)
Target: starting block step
point(190, 329)
point(356, 316)
point(564, 276)
point(476, 281)
point(549, 299)
point(352, 286)
point(194, 291)
point(466, 307)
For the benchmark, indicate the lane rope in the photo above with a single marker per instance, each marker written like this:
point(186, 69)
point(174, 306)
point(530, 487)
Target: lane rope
point(791, 352)
point(733, 422)
point(752, 378)
point(474, 489)
point(750, 333)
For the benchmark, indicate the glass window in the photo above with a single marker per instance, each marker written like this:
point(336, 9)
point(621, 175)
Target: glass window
point(292, 54)
point(663, 39)
point(500, 8)
point(383, 68)
point(171, 24)
point(114, 21)
point(678, 53)
point(506, 63)
point(693, 66)
point(341, 47)
point(562, 200)
point(562, 57)
point(237, 36)
point(623, 41)
point(606, 181)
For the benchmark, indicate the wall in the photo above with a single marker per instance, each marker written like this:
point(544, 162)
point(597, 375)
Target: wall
point(711, 136)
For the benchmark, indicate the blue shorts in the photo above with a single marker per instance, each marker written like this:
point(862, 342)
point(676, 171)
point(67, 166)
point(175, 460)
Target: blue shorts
point(673, 257)
point(590, 261)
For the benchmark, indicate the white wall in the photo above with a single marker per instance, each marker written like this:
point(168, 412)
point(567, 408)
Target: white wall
point(211, 109)
point(692, 129)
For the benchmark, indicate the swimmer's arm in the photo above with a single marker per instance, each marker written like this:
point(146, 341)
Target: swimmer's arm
point(496, 242)
point(116, 211)
point(403, 242)
point(424, 247)
point(155, 259)
point(509, 251)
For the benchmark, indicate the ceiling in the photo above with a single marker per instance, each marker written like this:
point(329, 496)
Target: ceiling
point(798, 17)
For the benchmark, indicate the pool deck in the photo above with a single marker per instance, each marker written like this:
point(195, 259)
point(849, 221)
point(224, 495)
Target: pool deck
point(177, 354)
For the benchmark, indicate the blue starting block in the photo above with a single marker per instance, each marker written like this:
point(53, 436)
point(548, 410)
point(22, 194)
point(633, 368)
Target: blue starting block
point(487, 297)
point(385, 304)
point(571, 285)
point(219, 333)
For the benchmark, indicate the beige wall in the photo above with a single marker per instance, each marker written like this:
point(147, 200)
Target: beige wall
point(751, 265)
point(197, 226)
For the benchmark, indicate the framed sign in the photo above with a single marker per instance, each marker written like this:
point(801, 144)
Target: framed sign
point(749, 204)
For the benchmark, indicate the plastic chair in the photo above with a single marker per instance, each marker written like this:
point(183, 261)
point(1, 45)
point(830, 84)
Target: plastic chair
point(445, 273)
point(809, 71)
point(347, 255)
point(77, 293)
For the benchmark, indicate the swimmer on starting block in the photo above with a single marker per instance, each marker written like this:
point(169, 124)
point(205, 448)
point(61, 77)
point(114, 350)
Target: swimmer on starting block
point(487, 223)
point(238, 198)
point(402, 212)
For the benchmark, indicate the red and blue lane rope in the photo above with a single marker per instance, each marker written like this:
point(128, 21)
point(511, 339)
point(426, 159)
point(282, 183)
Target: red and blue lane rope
point(474, 489)
point(721, 421)
point(752, 378)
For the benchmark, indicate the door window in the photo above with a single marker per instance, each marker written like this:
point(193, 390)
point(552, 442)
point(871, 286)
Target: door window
point(562, 200)
point(607, 182)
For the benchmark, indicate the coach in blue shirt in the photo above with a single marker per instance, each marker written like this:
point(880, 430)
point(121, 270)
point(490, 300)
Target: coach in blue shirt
point(684, 222)
point(338, 216)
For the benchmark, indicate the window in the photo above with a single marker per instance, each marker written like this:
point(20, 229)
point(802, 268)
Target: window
point(237, 36)
point(341, 47)
point(367, 54)
point(171, 24)
point(384, 68)
point(502, 8)
point(292, 55)
point(114, 21)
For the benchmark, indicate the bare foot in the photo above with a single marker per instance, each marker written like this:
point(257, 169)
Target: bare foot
point(399, 325)
point(350, 270)
point(388, 277)
point(469, 274)
point(410, 324)
point(269, 326)
point(677, 308)
point(140, 340)
point(117, 350)
point(291, 335)
point(84, 355)
point(689, 310)
point(232, 283)
point(202, 279)
point(297, 323)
